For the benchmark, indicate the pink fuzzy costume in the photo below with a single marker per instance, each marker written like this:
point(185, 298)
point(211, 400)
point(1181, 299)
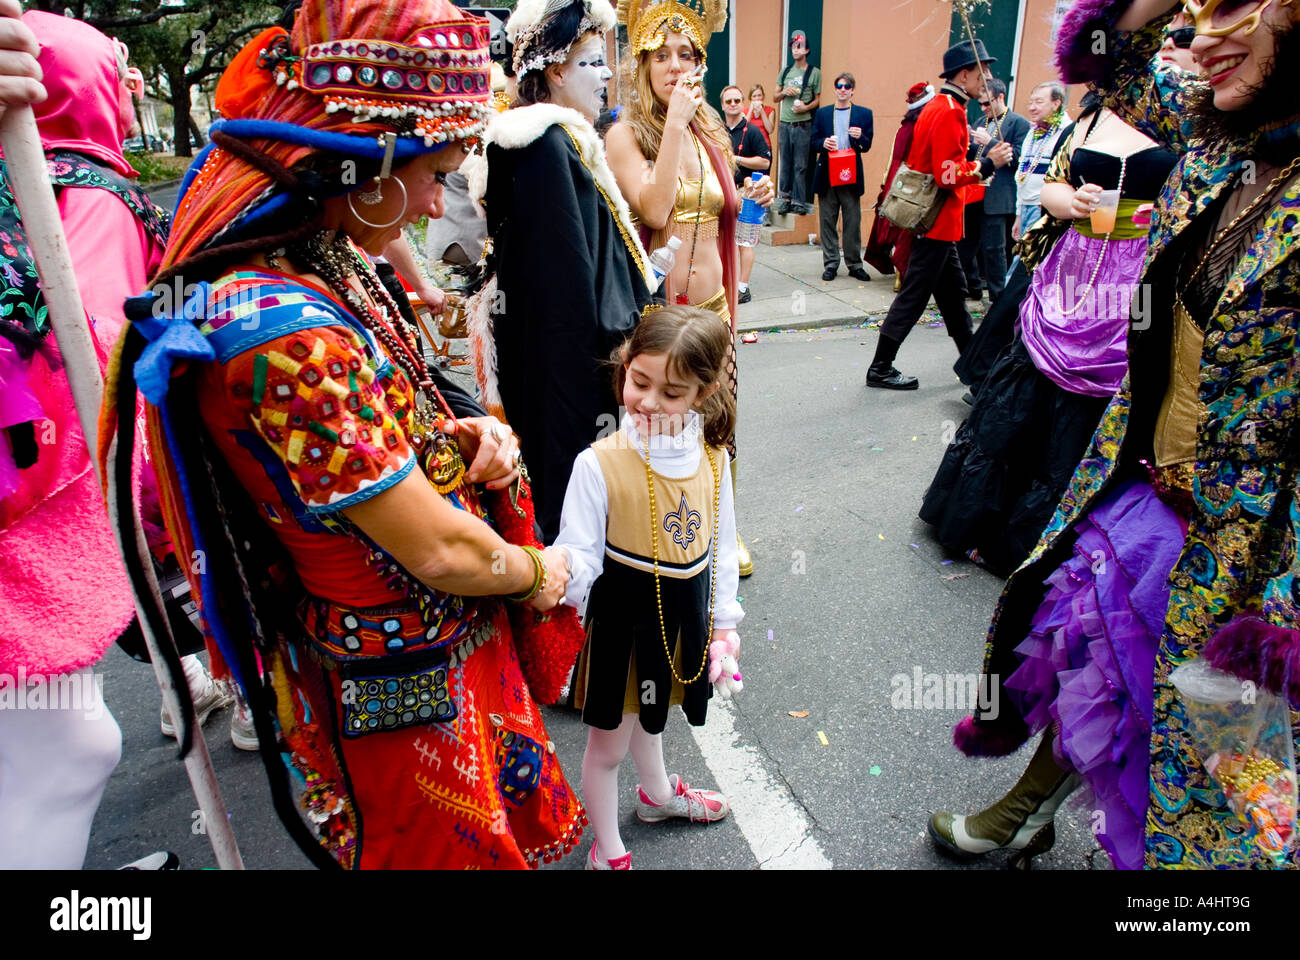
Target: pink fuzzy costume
point(64, 595)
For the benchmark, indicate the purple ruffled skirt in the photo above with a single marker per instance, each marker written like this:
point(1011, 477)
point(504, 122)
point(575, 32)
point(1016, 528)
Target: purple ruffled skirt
point(1089, 659)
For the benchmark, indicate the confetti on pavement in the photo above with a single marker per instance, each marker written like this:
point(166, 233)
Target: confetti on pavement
point(822, 737)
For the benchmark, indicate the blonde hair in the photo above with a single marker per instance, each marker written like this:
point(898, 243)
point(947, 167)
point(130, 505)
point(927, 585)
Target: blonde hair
point(645, 115)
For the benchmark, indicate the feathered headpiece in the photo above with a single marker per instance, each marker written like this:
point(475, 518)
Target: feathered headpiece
point(538, 36)
point(648, 21)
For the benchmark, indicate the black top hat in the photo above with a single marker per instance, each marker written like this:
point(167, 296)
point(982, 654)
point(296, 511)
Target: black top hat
point(959, 57)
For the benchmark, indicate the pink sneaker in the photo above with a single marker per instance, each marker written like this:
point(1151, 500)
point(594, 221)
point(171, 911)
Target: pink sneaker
point(618, 863)
point(702, 805)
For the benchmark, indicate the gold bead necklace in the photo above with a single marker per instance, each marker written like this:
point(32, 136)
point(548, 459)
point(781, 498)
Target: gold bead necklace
point(713, 562)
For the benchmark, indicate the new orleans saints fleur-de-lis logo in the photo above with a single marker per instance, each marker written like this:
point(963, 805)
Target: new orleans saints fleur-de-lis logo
point(683, 524)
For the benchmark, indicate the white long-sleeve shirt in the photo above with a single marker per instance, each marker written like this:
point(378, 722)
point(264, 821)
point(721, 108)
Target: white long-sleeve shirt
point(586, 507)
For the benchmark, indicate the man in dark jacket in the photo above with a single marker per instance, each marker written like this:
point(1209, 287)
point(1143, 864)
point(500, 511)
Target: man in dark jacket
point(989, 231)
point(842, 126)
point(939, 147)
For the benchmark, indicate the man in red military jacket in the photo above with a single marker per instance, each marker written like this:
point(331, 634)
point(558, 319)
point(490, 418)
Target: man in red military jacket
point(939, 146)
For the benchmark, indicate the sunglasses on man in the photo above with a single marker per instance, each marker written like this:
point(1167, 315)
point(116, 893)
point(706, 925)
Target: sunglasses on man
point(843, 86)
point(1183, 37)
point(730, 103)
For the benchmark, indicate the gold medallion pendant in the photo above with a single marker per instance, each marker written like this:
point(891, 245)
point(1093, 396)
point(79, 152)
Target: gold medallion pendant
point(442, 462)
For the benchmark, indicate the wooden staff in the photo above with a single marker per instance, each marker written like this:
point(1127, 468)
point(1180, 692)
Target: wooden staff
point(29, 180)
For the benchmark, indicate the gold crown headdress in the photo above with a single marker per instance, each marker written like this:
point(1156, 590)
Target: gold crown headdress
point(648, 21)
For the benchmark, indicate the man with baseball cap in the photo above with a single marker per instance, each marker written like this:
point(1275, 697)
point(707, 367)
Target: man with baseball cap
point(939, 147)
point(798, 90)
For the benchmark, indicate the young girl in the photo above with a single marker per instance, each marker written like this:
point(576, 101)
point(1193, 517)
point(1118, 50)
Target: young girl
point(650, 531)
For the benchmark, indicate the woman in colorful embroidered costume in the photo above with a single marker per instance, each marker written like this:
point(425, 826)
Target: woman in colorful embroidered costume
point(1177, 536)
point(352, 531)
point(569, 269)
point(669, 131)
point(649, 529)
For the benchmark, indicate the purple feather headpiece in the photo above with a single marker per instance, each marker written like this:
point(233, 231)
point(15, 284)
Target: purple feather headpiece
point(1074, 41)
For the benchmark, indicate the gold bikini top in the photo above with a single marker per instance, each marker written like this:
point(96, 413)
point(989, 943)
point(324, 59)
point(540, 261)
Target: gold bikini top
point(688, 206)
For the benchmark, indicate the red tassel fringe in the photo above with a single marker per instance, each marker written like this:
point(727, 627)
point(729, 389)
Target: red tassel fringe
point(548, 643)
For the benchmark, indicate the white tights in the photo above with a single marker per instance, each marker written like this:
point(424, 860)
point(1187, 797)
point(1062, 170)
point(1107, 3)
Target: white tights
point(54, 765)
point(605, 751)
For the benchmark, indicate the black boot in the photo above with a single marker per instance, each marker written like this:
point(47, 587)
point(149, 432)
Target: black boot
point(882, 372)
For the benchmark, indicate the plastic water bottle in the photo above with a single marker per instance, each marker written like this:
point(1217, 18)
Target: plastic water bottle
point(750, 226)
point(662, 261)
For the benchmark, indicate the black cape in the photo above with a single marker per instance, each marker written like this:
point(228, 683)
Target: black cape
point(570, 292)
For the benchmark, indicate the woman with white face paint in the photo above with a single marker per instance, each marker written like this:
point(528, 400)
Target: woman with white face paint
point(570, 278)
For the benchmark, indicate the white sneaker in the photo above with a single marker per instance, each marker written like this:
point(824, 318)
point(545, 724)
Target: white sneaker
point(214, 696)
point(242, 732)
point(600, 863)
point(694, 805)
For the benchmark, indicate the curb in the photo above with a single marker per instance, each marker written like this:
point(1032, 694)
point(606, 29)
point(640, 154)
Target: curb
point(856, 320)
point(162, 184)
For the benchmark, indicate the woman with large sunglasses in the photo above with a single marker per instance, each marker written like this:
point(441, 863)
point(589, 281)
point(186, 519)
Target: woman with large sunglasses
point(1177, 537)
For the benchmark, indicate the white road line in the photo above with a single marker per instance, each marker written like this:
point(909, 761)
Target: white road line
point(773, 824)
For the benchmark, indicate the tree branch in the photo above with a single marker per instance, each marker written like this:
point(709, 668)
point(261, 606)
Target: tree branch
point(118, 23)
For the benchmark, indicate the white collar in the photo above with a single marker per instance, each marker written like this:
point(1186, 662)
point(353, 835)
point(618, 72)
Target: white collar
point(688, 439)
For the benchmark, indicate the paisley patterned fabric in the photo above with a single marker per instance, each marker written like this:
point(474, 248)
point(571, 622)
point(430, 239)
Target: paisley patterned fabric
point(21, 300)
point(1237, 559)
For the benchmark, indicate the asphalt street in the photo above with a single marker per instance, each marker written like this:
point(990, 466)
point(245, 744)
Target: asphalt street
point(850, 595)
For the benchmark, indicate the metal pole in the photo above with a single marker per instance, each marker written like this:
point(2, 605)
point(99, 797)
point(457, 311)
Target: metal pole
point(25, 165)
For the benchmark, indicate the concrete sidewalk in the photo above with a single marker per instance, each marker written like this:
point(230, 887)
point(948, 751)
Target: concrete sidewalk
point(789, 293)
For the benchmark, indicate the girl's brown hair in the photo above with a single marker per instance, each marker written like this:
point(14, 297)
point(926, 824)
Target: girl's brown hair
point(695, 342)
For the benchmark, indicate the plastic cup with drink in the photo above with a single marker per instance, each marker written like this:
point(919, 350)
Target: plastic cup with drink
point(1104, 213)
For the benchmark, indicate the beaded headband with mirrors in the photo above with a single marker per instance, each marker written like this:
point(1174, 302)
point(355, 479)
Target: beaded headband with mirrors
point(440, 76)
point(1205, 14)
point(648, 22)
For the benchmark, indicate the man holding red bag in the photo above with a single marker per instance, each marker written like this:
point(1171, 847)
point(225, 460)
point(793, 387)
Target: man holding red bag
point(939, 146)
point(841, 134)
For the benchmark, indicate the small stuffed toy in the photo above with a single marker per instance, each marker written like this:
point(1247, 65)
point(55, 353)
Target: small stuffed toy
point(724, 669)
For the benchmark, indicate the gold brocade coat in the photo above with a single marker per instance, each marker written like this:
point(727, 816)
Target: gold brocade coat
point(1239, 556)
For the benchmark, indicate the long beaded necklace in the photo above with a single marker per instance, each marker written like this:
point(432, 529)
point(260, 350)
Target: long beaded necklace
point(713, 562)
point(1039, 140)
point(685, 296)
point(1101, 257)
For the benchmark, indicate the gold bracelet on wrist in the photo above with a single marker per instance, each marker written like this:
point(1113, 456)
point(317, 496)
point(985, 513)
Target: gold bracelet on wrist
point(539, 576)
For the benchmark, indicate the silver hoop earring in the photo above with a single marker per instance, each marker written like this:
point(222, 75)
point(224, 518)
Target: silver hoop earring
point(380, 226)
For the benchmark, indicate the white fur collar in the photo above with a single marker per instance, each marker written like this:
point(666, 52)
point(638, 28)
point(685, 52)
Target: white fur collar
point(520, 126)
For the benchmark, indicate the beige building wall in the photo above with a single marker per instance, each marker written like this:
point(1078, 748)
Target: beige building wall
point(1036, 56)
point(887, 45)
